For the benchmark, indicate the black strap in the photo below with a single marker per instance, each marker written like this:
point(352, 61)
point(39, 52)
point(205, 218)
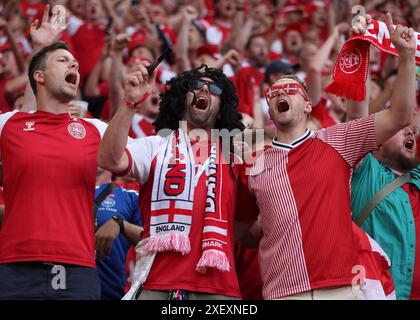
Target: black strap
point(101, 197)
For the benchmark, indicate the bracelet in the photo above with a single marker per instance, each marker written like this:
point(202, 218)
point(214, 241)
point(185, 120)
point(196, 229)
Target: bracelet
point(134, 105)
point(120, 220)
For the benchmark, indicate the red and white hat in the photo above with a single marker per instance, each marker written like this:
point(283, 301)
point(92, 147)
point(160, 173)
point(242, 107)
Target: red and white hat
point(210, 50)
point(212, 34)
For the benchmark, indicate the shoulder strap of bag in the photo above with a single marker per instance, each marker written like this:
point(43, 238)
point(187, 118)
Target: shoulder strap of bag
point(101, 197)
point(381, 194)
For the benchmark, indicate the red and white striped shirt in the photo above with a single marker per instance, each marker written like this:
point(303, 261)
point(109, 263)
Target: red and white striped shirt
point(302, 191)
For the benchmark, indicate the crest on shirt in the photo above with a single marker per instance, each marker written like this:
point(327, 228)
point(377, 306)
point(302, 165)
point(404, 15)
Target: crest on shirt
point(29, 126)
point(77, 130)
point(108, 203)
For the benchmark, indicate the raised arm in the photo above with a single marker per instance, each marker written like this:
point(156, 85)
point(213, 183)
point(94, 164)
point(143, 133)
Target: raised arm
point(181, 47)
point(403, 99)
point(110, 12)
point(116, 92)
point(44, 34)
point(359, 109)
point(137, 86)
point(319, 60)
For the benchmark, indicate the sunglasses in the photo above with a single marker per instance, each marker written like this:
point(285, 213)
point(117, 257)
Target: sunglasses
point(285, 89)
point(214, 88)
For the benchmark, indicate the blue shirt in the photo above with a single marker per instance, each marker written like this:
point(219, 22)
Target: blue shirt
point(391, 223)
point(111, 270)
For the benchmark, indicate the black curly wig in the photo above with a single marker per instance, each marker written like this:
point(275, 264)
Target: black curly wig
point(172, 105)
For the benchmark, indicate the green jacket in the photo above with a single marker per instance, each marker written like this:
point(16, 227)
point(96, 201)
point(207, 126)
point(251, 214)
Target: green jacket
point(391, 223)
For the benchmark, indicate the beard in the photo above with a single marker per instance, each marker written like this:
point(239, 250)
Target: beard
point(258, 61)
point(400, 160)
point(199, 119)
point(407, 163)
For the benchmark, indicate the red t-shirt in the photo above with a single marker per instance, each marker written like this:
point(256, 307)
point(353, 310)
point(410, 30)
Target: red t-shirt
point(320, 112)
point(414, 196)
point(49, 172)
point(246, 79)
point(249, 277)
point(88, 42)
point(218, 32)
point(172, 270)
point(67, 39)
point(141, 127)
point(31, 10)
point(302, 192)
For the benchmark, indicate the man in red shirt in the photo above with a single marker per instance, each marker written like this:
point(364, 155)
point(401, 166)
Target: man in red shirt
point(49, 169)
point(300, 185)
point(89, 39)
point(187, 201)
point(248, 80)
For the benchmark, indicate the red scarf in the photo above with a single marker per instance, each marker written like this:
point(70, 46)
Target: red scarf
point(174, 184)
point(351, 67)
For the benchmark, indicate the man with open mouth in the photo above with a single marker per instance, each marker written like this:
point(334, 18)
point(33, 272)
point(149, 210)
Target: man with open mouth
point(385, 203)
point(300, 186)
point(47, 247)
point(188, 197)
point(393, 220)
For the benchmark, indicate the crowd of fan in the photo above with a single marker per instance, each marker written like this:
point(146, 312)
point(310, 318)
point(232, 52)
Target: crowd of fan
point(253, 41)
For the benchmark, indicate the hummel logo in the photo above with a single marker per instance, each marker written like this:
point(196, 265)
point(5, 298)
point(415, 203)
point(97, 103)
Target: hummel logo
point(29, 126)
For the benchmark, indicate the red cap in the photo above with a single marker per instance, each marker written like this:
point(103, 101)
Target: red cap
point(209, 49)
point(137, 39)
point(290, 27)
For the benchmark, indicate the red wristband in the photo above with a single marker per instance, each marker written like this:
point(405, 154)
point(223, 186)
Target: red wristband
point(134, 105)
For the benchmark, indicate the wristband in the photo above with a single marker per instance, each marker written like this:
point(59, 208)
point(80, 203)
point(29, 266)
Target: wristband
point(134, 105)
point(120, 220)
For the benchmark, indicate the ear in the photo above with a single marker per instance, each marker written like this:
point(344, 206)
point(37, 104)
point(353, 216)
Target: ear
point(308, 107)
point(39, 76)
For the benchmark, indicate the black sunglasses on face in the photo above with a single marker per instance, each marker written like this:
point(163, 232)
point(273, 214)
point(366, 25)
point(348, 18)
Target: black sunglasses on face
point(214, 88)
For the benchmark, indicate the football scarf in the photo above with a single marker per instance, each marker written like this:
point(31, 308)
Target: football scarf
point(175, 181)
point(352, 65)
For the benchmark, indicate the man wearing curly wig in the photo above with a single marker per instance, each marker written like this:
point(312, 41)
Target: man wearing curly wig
point(188, 198)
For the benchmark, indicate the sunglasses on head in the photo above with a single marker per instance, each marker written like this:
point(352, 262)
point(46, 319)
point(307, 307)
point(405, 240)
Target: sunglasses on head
point(285, 89)
point(214, 88)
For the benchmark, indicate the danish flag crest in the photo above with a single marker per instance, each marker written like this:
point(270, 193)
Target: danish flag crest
point(76, 130)
point(351, 61)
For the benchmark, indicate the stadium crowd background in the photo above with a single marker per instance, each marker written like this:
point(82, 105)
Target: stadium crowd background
point(254, 41)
